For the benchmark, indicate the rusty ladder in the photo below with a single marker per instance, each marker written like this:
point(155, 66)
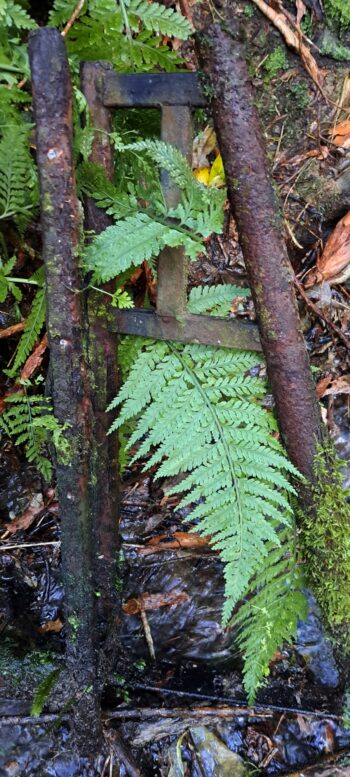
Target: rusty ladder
point(83, 334)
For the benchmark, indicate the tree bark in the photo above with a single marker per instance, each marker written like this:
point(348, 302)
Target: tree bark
point(260, 228)
point(61, 224)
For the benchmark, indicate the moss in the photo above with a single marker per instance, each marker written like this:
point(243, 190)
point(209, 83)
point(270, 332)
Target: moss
point(300, 93)
point(275, 62)
point(339, 11)
point(325, 540)
point(248, 11)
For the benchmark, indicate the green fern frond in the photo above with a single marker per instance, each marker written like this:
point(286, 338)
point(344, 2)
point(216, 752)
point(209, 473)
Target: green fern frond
point(157, 18)
point(93, 182)
point(270, 616)
point(129, 242)
point(235, 470)
point(13, 15)
point(33, 327)
point(17, 177)
point(61, 12)
point(126, 34)
point(214, 299)
point(30, 422)
point(201, 208)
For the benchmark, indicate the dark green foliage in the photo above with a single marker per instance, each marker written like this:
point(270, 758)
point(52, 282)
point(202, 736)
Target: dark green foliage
point(143, 235)
point(18, 186)
point(43, 691)
point(269, 617)
point(33, 327)
point(125, 33)
point(29, 420)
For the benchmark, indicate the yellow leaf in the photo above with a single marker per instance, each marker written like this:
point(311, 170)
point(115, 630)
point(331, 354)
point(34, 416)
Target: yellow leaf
point(216, 171)
point(202, 175)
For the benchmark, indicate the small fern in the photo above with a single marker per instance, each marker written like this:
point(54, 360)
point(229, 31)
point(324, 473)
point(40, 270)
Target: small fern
point(145, 233)
point(124, 33)
point(13, 15)
point(28, 419)
point(18, 189)
point(33, 327)
point(235, 469)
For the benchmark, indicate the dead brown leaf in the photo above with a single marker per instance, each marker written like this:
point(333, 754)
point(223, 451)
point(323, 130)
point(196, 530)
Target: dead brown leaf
point(301, 10)
point(53, 626)
point(340, 134)
point(322, 385)
point(148, 601)
point(340, 385)
point(177, 540)
point(34, 360)
point(333, 265)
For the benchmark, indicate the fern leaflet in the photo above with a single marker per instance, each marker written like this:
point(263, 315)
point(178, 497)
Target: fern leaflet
point(30, 421)
point(33, 327)
point(214, 299)
point(269, 617)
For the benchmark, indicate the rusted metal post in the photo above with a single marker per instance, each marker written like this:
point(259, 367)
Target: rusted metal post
point(260, 229)
point(61, 224)
point(176, 128)
point(102, 354)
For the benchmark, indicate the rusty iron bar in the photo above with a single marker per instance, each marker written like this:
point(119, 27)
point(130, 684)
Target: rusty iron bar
point(60, 220)
point(152, 90)
point(206, 330)
point(260, 227)
point(176, 128)
point(102, 356)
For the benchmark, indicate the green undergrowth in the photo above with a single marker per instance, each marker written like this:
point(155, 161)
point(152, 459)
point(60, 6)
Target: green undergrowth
point(325, 539)
point(339, 10)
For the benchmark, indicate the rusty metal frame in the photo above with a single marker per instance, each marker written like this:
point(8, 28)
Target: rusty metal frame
point(174, 94)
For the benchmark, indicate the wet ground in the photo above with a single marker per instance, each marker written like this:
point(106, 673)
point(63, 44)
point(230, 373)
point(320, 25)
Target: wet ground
point(180, 705)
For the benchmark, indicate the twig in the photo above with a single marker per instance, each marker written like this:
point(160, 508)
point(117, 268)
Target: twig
point(148, 713)
point(28, 545)
point(12, 330)
point(79, 6)
point(232, 702)
point(321, 315)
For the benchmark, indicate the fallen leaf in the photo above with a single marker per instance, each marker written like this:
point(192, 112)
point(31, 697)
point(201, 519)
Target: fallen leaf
point(301, 10)
point(148, 601)
point(53, 626)
point(203, 145)
point(173, 542)
point(322, 385)
point(334, 263)
point(23, 521)
point(34, 360)
point(340, 134)
point(340, 385)
point(202, 175)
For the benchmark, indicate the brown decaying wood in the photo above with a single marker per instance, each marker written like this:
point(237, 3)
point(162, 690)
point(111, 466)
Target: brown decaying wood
point(102, 354)
point(260, 229)
point(60, 222)
point(14, 329)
